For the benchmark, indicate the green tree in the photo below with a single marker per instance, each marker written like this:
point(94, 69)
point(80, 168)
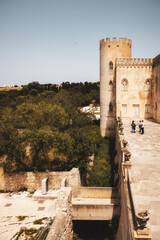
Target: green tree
point(86, 139)
point(12, 145)
point(47, 131)
point(35, 116)
point(100, 172)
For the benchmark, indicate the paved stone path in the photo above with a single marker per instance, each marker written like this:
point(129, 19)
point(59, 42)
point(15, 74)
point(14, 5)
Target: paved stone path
point(16, 204)
point(145, 171)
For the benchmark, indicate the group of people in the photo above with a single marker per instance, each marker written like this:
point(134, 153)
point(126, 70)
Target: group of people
point(141, 127)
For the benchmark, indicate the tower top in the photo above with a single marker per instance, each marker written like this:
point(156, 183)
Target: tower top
point(116, 41)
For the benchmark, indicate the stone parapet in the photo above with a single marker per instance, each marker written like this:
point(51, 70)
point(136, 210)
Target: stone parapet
point(134, 62)
point(116, 41)
point(61, 228)
point(95, 192)
point(129, 227)
point(73, 179)
point(64, 200)
point(125, 222)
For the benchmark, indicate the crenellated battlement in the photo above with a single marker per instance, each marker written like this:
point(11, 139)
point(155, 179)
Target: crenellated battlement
point(117, 42)
point(133, 62)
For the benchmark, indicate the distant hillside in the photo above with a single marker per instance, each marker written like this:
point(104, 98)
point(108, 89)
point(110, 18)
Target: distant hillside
point(80, 94)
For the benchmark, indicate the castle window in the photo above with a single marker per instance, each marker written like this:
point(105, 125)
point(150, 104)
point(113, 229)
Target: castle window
point(124, 84)
point(136, 110)
point(147, 108)
point(111, 66)
point(110, 107)
point(110, 85)
point(147, 85)
point(109, 46)
point(124, 108)
point(117, 45)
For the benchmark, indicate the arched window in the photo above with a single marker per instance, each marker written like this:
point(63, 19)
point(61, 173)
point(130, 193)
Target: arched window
point(110, 107)
point(124, 84)
point(110, 85)
point(111, 65)
point(147, 85)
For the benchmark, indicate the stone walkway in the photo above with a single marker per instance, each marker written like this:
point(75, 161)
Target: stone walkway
point(145, 171)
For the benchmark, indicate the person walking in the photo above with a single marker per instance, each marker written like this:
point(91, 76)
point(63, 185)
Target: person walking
point(142, 127)
point(133, 127)
point(140, 124)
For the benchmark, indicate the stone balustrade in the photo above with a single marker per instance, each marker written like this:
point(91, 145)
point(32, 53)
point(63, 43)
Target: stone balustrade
point(128, 226)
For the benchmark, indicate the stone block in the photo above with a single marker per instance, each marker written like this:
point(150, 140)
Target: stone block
point(44, 185)
point(141, 234)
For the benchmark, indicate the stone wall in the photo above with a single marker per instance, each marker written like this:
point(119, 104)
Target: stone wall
point(156, 89)
point(61, 228)
point(109, 51)
point(73, 178)
point(126, 226)
point(33, 181)
point(95, 192)
point(135, 100)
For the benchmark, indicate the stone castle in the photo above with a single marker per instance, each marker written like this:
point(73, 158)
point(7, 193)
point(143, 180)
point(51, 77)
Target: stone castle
point(129, 87)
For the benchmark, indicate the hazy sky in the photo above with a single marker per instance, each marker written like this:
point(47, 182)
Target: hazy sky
point(52, 41)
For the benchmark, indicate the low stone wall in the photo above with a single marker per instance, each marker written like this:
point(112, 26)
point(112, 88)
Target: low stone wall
point(95, 192)
point(126, 226)
point(73, 178)
point(33, 181)
point(61, 228)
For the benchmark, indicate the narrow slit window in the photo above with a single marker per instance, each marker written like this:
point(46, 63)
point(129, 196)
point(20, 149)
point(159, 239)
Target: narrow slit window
point(111, 66)
point(111, 107)
point(111, 85)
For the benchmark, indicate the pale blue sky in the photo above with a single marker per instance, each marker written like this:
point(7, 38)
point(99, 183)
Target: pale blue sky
point(52, 41)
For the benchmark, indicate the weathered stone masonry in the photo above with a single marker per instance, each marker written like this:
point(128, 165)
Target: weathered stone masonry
point(129, 87)
point(32, 181)
point(61, 228)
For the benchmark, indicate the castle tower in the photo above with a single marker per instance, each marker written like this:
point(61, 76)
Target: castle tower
point(109, 51)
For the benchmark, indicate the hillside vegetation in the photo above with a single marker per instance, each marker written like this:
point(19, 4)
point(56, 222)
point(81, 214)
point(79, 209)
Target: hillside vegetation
point(42, 128)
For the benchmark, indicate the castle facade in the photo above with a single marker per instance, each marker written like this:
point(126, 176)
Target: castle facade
point(129, 87)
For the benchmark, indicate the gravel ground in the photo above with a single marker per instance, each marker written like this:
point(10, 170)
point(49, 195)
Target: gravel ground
point(19, 210)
